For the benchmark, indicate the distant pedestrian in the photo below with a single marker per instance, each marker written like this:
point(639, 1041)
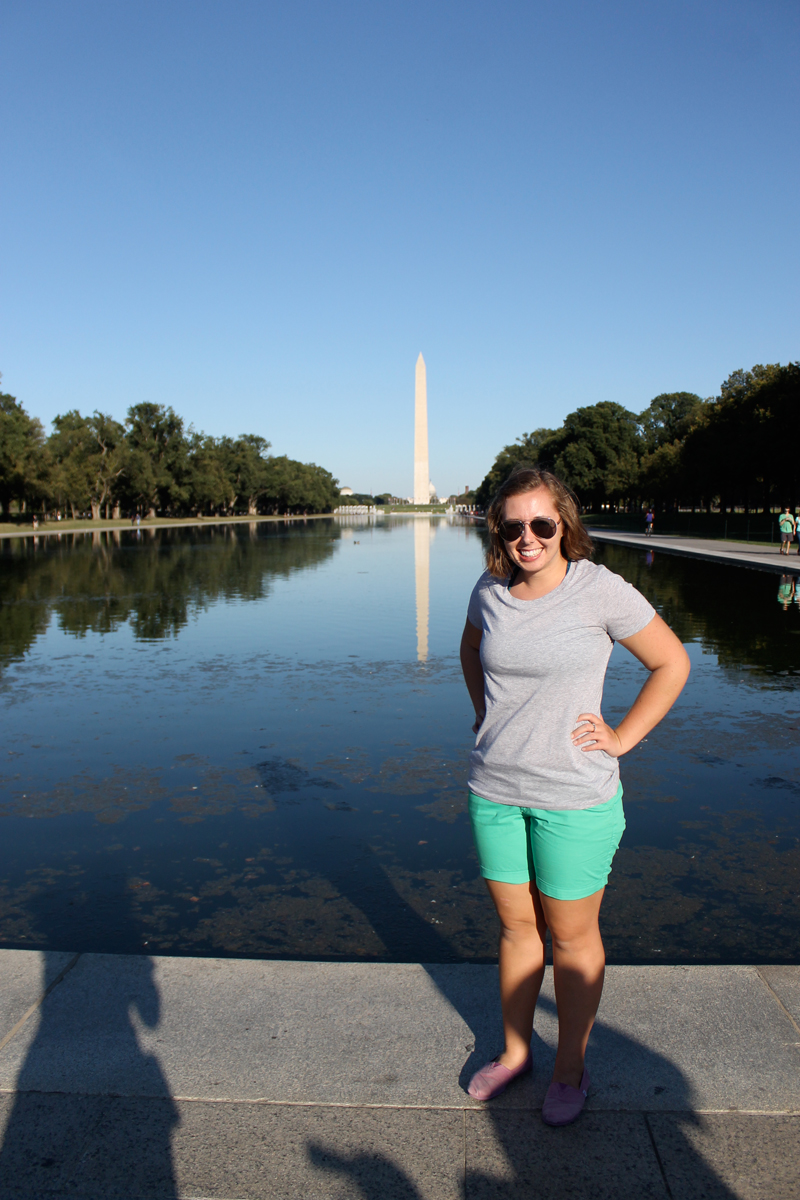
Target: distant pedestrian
point(787, 526)
point(649, 518)
point(545, 797)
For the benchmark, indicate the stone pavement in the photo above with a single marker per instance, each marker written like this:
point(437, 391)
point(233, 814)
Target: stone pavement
point(138, 1077)
point(740, 554)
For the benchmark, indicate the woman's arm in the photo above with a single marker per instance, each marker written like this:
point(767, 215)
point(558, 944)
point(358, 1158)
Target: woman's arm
point(658, 649)
point(473, 671)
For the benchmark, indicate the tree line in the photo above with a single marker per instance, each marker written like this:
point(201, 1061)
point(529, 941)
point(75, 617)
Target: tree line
point(151, 464)
point(735, 450)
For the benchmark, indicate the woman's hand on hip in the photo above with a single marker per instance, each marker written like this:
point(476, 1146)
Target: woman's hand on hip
point(593, 734)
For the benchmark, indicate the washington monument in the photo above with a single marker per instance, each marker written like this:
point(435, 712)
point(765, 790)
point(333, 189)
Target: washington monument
point(422, 478)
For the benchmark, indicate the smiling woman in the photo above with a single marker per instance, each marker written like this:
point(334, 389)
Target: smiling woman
point(545, 795)
point(543, 508)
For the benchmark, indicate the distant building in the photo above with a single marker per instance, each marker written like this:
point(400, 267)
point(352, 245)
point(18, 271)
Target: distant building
point(345, 491)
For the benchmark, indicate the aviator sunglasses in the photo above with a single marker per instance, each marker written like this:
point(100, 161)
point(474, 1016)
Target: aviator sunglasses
point(541, 527)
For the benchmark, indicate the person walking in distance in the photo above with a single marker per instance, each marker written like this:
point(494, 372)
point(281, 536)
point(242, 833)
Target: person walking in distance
point(649, 518)
point(787, 525)
point(545, 798)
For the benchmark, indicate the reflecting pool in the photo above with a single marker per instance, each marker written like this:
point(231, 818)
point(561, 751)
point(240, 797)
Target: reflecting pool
point(252, 740)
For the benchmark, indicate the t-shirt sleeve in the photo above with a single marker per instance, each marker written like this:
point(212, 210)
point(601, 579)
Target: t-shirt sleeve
point(625, 610)
point(475, 606)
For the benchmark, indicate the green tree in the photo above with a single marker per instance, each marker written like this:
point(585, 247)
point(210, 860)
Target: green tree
point(662, 477)
point(210, 489)
point(23, 461)
point(107, 459)
point(741, 384)
point(69, 446)
point(744, 450)
point(596, 453)
point(226, 473)
point(669, 417)
point(88, 455)
point(357, 498)
point(158, 468)
point(246, 466)
point(524, 452)
point(293, 486)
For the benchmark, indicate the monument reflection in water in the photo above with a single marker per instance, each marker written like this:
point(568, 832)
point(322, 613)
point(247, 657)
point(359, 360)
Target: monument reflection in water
point(424, 530)
point(253, 739)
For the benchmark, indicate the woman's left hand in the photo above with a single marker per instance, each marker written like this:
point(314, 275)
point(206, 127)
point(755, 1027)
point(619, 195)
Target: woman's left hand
point(594, 734)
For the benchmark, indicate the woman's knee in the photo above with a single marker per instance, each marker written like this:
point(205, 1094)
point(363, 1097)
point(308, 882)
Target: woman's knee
point(572, 921)
point(522, 922)
point(577, 942)
point(522, 928)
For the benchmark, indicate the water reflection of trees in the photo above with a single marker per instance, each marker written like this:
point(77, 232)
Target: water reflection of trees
point(731, 611)
point(152, 579)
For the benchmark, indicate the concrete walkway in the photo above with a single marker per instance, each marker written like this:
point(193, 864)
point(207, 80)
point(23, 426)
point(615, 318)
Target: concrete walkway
point(172, 1077)
point(741, 554)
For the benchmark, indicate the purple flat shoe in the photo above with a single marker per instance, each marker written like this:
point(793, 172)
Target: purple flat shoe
point(563, 1103)
point(494, 1078)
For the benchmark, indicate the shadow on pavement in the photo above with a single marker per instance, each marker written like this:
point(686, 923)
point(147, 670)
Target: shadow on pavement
point(375, 1175)
point(92, 1144)
point(606, 1153)
point(614, 1154)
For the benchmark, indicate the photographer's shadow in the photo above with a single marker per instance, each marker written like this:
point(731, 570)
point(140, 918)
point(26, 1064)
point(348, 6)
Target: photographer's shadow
point(79, 1120)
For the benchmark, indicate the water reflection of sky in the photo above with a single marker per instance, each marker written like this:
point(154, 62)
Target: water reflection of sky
point(254, 741)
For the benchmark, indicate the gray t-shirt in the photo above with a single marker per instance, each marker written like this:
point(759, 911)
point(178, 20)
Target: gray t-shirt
point(544, 662)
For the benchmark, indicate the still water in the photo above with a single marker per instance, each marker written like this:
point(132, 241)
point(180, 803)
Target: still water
point(252, 740)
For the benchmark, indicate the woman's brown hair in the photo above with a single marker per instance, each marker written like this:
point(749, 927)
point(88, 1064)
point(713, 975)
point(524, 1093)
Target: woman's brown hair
point(575, 541)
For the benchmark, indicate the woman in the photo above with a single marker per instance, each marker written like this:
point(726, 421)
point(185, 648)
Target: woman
point(545, 797)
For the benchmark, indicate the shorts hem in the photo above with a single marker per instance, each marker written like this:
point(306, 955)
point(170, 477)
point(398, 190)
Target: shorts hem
point(576, 893)
point(505, 876)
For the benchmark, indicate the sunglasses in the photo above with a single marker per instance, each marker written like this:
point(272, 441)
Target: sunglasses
point(541, 527)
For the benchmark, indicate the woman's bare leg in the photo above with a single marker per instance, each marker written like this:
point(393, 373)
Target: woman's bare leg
point(521, 963)
point(578, 968)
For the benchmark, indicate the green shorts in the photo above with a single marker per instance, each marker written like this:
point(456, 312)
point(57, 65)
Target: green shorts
point(567, 853)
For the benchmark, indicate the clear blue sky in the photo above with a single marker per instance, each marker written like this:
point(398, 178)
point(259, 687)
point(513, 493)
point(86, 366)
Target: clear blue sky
point(261, 212)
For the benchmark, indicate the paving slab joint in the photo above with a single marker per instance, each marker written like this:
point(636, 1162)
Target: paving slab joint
point(38, 1003)
point(777, 999)
point(654, 1144)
